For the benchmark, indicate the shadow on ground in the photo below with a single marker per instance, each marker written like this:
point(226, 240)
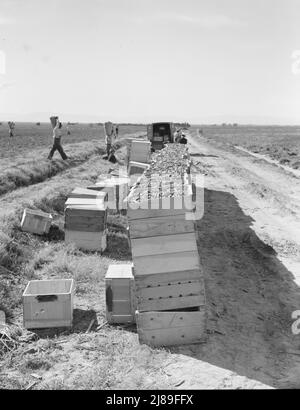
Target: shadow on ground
point(118, 246)
point(81, 320)
point(196, 154)
point(250, 298)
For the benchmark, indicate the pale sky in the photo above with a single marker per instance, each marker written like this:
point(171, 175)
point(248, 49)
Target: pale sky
point(202, 61)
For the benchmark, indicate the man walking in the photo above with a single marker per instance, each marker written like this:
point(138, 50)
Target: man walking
point(57, 141)
point(109, 136)
point(11, 126)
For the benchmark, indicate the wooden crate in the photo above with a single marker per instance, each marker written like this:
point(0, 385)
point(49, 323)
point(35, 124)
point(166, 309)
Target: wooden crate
point(140, 151)
point(116, 189)
point(87, 241)
point(135, 167)
point(85, 220)
point(159, 226)
point(88, 193)
point(142, 281)
point(120, 296)
point(184, 293)
point(36, 222)
point(164, 244)
point(48, 303)
point(93, 204)
point(166, 263)
point(171, 328)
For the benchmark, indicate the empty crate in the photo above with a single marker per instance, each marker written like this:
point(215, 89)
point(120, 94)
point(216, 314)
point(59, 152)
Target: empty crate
point(48, 303)
point(36, 222)
point(136, 168)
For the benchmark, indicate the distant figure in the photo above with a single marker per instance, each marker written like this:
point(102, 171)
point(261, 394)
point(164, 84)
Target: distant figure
point(109, 136)
point(57, 142)
point(111, 157)
point(200, 131)
point(117, 131)
point(177, 136)
point(11, 126)
point(183, 139)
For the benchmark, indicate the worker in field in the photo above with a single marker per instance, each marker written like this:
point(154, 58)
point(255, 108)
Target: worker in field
point(177, 136)
point(117, 131)
point(183, 139)
point(110, 136)
point(57, 133)
point(11, 126)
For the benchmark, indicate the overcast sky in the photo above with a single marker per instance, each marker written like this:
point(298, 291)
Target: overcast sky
point(147, 60)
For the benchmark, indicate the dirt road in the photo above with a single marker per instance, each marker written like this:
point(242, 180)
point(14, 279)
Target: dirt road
point(249, 243)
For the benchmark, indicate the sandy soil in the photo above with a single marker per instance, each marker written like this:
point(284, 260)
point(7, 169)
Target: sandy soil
point(249, 243)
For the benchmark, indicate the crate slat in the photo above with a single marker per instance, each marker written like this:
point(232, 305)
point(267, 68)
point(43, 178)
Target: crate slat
point(162, 279)
point(160, 226)
point(171, 328)
point(170, 262)
point(87, 193)
point(163, 244)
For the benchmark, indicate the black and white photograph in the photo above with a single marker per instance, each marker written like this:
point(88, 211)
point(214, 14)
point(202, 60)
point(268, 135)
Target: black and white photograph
point(149, 198)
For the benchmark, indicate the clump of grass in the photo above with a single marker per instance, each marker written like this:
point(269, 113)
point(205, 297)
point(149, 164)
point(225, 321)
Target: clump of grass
point(118, 362)
point(36, 363)
point(10, 298)
point(11, 253)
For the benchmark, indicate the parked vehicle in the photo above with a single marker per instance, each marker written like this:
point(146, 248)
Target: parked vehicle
point(160, 133)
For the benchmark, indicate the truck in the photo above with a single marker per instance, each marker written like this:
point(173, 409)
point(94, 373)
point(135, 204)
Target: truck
point(160, 133)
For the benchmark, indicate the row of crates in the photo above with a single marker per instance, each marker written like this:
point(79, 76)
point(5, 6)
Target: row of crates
point(168, 277)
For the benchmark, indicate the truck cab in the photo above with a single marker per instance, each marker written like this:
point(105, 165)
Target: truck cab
point(160, 133)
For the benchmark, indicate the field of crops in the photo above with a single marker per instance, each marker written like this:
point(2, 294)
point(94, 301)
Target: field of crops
point(281, 143)
point(23, 158)
point(30, 136)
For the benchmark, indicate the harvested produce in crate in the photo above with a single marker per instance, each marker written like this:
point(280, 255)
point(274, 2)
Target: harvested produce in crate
point(172, 160)
point(166, 176)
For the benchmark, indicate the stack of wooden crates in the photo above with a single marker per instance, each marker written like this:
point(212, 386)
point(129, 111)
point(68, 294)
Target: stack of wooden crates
point(85, 219)
point(139, 156)
point(169, 282)
point(116, 187)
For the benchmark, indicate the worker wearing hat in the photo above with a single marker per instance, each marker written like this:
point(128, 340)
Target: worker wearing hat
point(57, 141)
